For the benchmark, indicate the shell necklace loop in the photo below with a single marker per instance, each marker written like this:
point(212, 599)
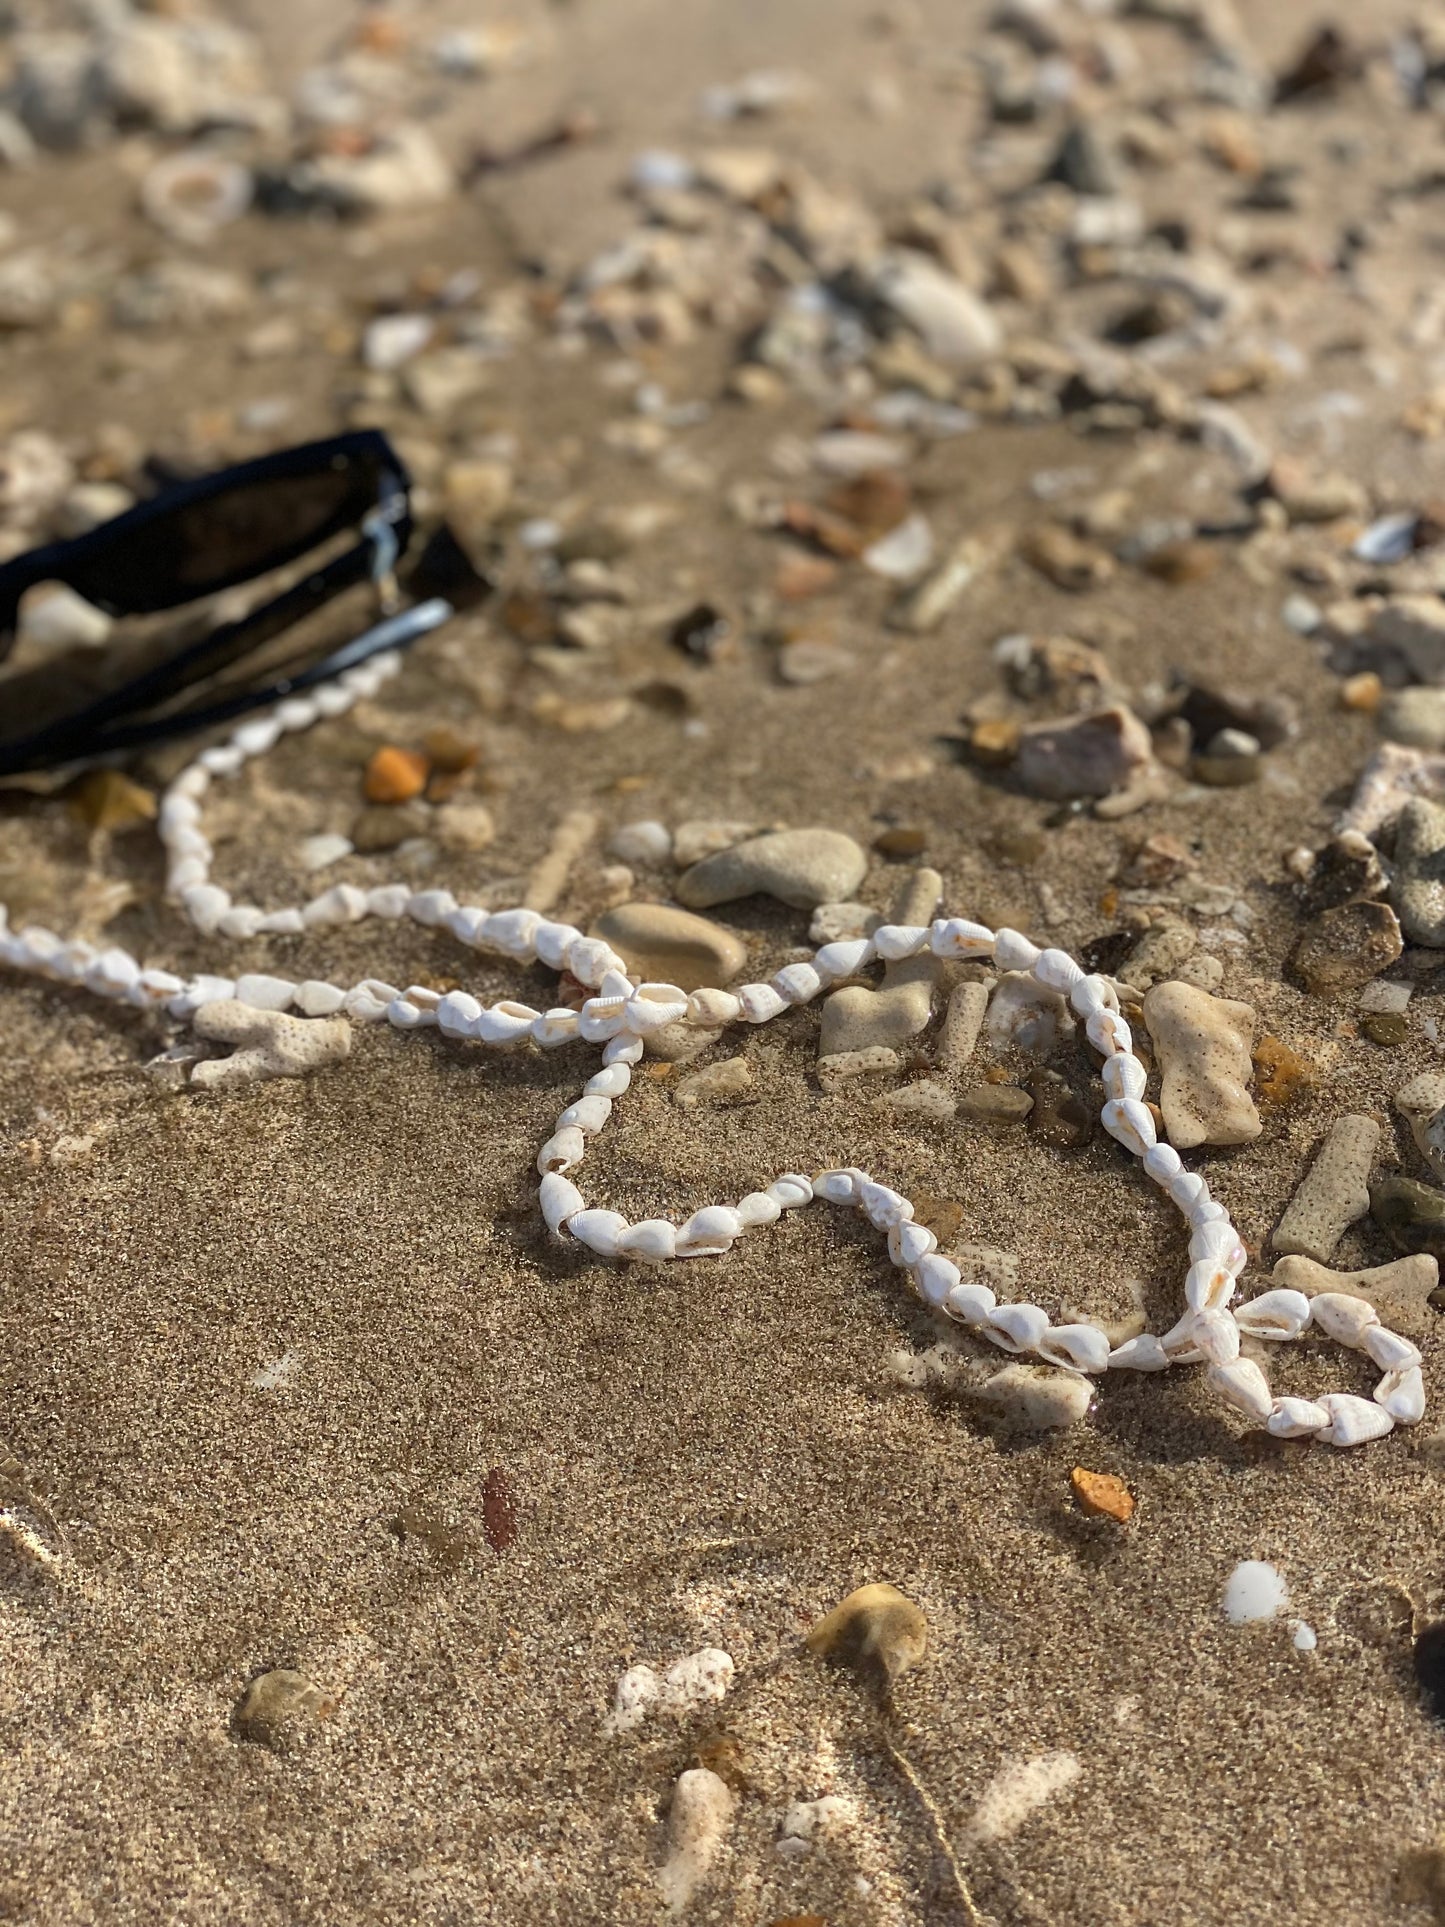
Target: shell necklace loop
point(621, 1014)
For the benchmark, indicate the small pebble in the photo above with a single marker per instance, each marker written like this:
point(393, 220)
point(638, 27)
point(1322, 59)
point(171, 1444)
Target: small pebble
point(728, 1078)
point(395, 775)
point(1387, 1028)
point(800, 867)
point(995, 1104)
point(1092, 756)
point(926, 1099)
point(1344, 948)
point(641, 844)
point(905, 839)
point(462, 827)
point(877, 1632)
point(380, 828)
point(1100, 1495)
point(106, 799)
point(1411, 1214)
point(282, 1709)
point(1254, 1590)
point(320, 852)
point(698, 1821)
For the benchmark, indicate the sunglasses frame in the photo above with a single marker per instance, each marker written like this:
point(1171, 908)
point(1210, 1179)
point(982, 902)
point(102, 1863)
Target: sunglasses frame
point(102, 726)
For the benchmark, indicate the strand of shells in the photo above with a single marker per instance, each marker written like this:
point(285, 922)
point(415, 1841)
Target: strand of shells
point(621, 1014)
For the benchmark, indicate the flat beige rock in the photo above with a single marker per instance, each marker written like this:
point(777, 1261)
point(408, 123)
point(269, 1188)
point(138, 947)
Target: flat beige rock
point(672, 946)
point(1203, 1047)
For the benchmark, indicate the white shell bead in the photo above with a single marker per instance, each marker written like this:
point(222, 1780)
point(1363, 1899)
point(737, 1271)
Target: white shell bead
point(883, 1208)
point(589, 1114)
point(1131, 1123)
point(506, 1023)
point(843, 959)
point(510, 931)
point(895, 942)
point(797, 983)
point(625, 1049)
point(388, 900)
point(601, 1018)
point(1343, 1318)
point(560, 1199)
point(971, 1305)
point(1389, 1351)
point(1142, 1354)
point(1208, 1286)
point(1013, 951)
point(1354, 1420)
point(552, 942)
point(561, 1151)
point(1163, 1163)
point(264, 993)
point(838, 1187)
point(1296, 1418)
point(613, 1081)
point(1092, 993)
point(957, 938)
point(760, 1003)
point(1124, 1076)
point(554, 1027)
point(600, 1231)
point(430, 908)
point(1107, 1031)
point(1016, 1328)
point(457, 1014)
point(935, 1277)
point(908, 1242)
point(1217, 1336)
point(712, 1009)
point(1402, 1395)
point(709, 1232)
point(652, 1007)
point(1056, 970)
point(758, 1207)
point(1280, 1313)
point(1082, 1348)
point(1244, 1386)
point(650, 1242)
point(791, 1190)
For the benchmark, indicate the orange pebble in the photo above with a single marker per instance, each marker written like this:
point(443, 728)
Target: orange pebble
point(1101, 1496)
point(395, 775)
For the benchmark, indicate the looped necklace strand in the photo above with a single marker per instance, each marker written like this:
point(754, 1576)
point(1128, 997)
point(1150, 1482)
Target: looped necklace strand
point(621, 1014)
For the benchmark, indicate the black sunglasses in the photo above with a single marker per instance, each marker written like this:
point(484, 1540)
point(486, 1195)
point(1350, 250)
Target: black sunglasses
point(201, 537)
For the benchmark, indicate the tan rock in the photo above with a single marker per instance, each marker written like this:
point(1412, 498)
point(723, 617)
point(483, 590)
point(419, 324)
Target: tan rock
point(1335, 1193)
point(1202, 1044)
point(1400, 1291)
point(877, 1632)
point(1099, 1495)
point(800, 867)
point(858, 1017)
point(672, 946)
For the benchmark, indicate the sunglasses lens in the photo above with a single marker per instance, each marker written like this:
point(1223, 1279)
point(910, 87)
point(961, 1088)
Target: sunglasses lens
point(226, 538)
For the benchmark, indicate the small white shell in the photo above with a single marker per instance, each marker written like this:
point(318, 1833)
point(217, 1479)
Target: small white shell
point(1082, 1348)
point(935, 1277)
point(1056, 970)
point(389, 900)
point(589, 959)
point(560, 1199)
point(430, 908)
point(511, 931)
point(1092, 993)
point(710, 1232)
point(1163, 1163)
point(1131, 1123)
point(555, 1027)
point(1244, 1386)
point(653, 1007)
point(1402, 1395)
point(844, 958)
point(971, 1305)
point(1343, 1318)
point(1016, 1328)
point(1013, 951)
point(1107, 1032)
point(1296, 1418)
point(908, 1242)
point(1124, 1076)
point(1208, 1287)
point(598, 1230)
point(1217, 1336)
point(589, 1114)
point(711, 1009)
point(957, 938)
point(614, 1081)
point(562, 1151)
point(601, 1018)
point(760, 1003)
point(791, 1190)
point(1389, 1351)
point(1142, 1354)
point(883, 1208)
point(1219, 1243)
point(457, 1014)
point(758, 1207)
point(797, 983)
point(837, 1187)
point(552, 941)
point(1186, 1189)
point(650, 1242)
point(1280, 1313)
point(506, 1023)
point(1353, 1420)
point(895, 942)
point(623, 1049)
